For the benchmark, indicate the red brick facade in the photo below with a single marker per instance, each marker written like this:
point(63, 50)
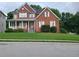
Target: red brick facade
point(47, 20)
point(41, 17)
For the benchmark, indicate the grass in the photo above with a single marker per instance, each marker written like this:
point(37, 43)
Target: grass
point(37, 37)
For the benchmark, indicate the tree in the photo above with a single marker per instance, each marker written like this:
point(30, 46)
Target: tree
point(65, 20)
point(74, 23)
point(36, 7)
point(56, 12)
point(10, 15)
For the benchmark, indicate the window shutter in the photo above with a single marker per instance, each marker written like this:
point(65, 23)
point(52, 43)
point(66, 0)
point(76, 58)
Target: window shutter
point(51, 23)
point(54, 23)
point(42, 22)
point(45, 14)
point(48, 14)
point(39, 24)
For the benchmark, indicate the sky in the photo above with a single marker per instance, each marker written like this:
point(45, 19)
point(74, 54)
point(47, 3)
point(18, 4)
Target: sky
point(71, 7)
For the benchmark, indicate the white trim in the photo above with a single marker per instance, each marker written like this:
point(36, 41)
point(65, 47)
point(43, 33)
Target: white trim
point(50, 11)
point(21, 19)
point(27, 9)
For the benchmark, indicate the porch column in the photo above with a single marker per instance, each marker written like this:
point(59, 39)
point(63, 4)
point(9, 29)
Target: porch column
point(22, 24)
point(9, 24)
point(34, 26)
point(15, 24)
point(28, 26)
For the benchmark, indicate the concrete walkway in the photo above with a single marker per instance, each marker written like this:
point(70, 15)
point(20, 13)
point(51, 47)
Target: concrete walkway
point(38, 49)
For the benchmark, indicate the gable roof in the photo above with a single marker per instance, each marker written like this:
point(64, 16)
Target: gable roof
point(2, 13)
point(29, 7)
point(49, 10)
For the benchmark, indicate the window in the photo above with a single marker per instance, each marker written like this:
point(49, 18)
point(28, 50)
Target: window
point(46, 14)
point(31, 15)
point(21, 15)
point(52, 23)
point(41, 23)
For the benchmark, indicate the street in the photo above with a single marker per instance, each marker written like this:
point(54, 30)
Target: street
point(39, 49)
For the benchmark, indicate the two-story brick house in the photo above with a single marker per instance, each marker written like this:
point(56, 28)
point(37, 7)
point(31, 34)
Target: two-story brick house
point(28, 19)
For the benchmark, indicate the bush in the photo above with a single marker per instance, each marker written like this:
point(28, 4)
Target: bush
point(45, 28)
point(19, 30)
point(63, 30)
point(9, 30)
point(53, 29)
point(77, 32)
point(14, 30)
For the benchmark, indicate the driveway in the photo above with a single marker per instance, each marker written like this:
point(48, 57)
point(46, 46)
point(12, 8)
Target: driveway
point(38, 49)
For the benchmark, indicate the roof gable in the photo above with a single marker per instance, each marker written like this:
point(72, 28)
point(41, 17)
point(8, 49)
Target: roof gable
point(29, 8)
point(49, 11)
point(2, 13)
point(26, 7)
point(23, 9)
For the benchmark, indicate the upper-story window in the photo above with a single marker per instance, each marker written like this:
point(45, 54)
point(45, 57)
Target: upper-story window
point(46, 14)
point(31, 15)
point(22, 15)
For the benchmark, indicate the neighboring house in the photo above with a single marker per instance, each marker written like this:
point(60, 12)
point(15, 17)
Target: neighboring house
point(30, 20)
point(2, 22)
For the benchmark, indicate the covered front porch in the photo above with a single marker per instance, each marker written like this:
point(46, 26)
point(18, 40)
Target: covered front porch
point(27, 26)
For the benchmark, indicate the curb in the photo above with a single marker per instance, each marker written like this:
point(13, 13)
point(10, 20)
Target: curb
point(30, 40)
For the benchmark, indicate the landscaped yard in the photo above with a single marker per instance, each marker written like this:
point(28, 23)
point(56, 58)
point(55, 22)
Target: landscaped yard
point(37, 37)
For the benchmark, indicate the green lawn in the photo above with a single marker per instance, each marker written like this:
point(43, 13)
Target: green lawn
point(37, 36)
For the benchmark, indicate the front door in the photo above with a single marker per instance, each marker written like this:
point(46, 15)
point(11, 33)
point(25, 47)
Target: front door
point(31, 26)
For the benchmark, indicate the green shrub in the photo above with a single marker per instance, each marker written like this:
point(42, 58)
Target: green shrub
point(53, 29)
point(9, 30)
point(19, 30)
point(77, 32)
point(45, 28)
point(14, 30)
point(63, 30)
